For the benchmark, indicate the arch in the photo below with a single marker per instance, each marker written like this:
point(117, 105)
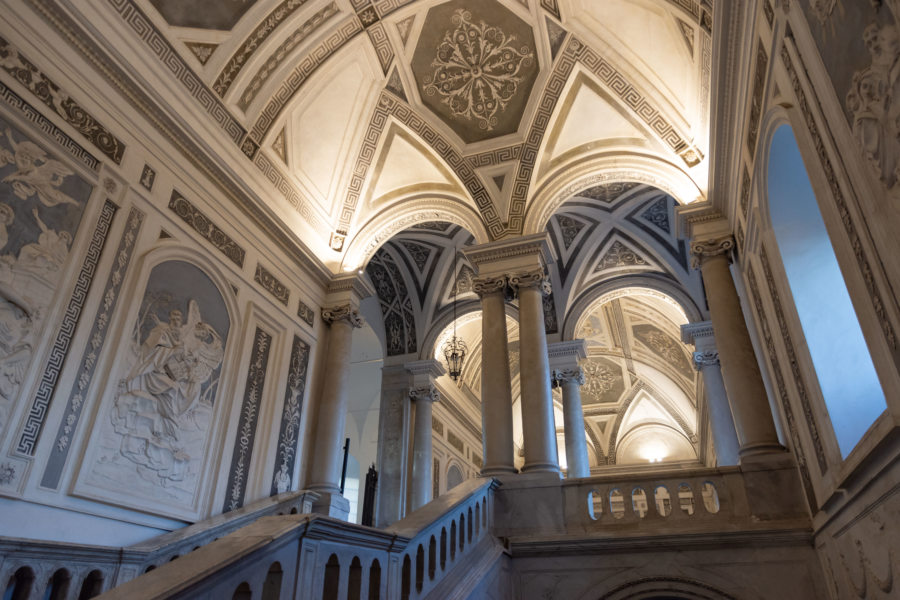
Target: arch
point(354, 580)
point(452, 541)
point(443, 548)
point(332, 578)
point(657, 586)
point(462, 532)
point(272, 583)
point(242, 592)
point(650, 283)
point(58, 585)
point(837, 349)
point(606, 167)
point(20, 584)
point(405, 578)
point(92, 585)
point(432, 558)
point(469, 526)
point(375, 580)
point(420, 568)
point(454, 475)
point(419, 209)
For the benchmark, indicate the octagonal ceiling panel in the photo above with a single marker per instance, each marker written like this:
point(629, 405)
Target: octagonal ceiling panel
point(475, 64)
point(203, 14)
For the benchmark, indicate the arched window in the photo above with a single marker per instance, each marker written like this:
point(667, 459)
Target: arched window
point(842, 362)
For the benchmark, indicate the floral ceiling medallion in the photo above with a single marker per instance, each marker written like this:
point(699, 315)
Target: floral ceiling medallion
point(477, 70)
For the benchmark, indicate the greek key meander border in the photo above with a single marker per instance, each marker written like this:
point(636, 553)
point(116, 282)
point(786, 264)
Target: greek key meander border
point(34, 423)
point(159, 45)
point(291, 414)
point(249, 419)
point(61, 21)
point(799, 380)
point(775, 369)
point(97, 339)
point(32, 114)
point(577, 52)
point(389, 105)
point(836, 191)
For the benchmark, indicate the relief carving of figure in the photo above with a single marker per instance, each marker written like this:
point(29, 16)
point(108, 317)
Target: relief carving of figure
point(16, 328)
point(874, 102)
point(159, 397)
point(36, 173)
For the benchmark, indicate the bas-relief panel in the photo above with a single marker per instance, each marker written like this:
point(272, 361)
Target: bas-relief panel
point(667, 348)
point(860, 45)
point(593, 331)
point(41, 205)
point(149, 443)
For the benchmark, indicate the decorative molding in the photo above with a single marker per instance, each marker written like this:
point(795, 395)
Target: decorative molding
point(378, 36)
point(208, 230)
point(395, 85)
point(45, 90)
point(345, 30)
point(483, 286)
point(495, 157)
point(283, 184)
point(745, 192)
point(246, 432)
point(289, 432)
point(159, 46)
point(424, 393)
point(756, 99)
point(202, 51)
point(34, 422)
point(775, 370)
point(97, 338)
point(271, 284)
point(799, 379)
point(551, 7)
point(342, 313)
point(530, 279)
point(455, 441)
point(437, 426)
point(847, 218)
point(620, 255)
point(148, 177)
point(706, 358)
point(256, 39)
point(389, 106)
point(30, 113)
point(306, 313)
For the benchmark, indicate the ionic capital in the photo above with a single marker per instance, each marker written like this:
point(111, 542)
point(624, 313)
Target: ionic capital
point(489, 285)
point(427, 393)
point(705, 358)
point(530, 279)
point(703, 250)
point(346, 312)
point(561, 376)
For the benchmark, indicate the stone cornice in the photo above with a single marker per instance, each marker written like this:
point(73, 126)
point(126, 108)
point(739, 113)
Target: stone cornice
point(692, 333)
point(692, 219)
point(568, 353)
point(422, 372)
point(511, 254)
point(348, 287)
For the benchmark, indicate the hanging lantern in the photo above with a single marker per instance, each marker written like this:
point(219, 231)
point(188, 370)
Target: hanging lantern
point(454, 349)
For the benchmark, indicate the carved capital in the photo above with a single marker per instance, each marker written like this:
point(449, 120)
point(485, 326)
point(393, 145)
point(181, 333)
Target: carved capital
point(703, 250)
point(424, 393)
point(706, 358)
point(561, 376)
point(342, 313)
point(530, 279)
point(488, 285)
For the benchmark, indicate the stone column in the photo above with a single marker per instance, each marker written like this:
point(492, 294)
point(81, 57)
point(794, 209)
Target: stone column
point(538, 428)
point(327, 460)
point(752, 416)
point(571, 380)
point(393, 443)
point(706, 360)
point(423, 397)
point(496, 384)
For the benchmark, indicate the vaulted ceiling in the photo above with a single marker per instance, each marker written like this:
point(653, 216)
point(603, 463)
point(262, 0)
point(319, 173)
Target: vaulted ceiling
point(350, 120)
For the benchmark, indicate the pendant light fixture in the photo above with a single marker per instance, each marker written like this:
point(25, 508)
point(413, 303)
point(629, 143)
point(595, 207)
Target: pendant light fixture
point(454, 349)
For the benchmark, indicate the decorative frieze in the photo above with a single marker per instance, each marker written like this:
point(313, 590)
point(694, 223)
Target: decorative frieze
point(271, 284)
point(306, 313)
point(97, 338)
point(289, 432)
point(454, 441)
point(246, 433)
point(437, 426)
point(59, 101)
point(34, 422)
point(208, 230)
point(756, 100)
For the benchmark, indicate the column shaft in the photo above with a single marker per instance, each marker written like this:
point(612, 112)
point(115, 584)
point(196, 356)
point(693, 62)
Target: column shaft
point(573, 419)
point(496, 387)
point(720, 417)
point(421, 467)
point(752, 415)
point(538, 427)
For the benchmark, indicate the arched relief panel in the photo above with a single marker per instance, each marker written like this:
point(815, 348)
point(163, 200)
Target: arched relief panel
point(565, 181)
point(161, 416)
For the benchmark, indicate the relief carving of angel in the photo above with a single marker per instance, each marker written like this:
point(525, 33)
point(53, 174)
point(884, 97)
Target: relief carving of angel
point(37, 174)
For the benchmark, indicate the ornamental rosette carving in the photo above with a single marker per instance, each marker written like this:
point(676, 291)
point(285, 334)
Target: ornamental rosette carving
point(703, 250)
point(530, 279)
point(427, 392)
point(705, 359)
point(477, 70)
point(342, 313)
point(488, 285)
point(562, 376)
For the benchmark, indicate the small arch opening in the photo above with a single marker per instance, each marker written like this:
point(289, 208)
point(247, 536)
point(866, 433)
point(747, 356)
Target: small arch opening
point(405, 578)
point(20, 584)
point(375, 580)
point(92, 585)
point(272, 583)
point(242, 592)
point(332, 578)
point(354, 580)
point(432, 557)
